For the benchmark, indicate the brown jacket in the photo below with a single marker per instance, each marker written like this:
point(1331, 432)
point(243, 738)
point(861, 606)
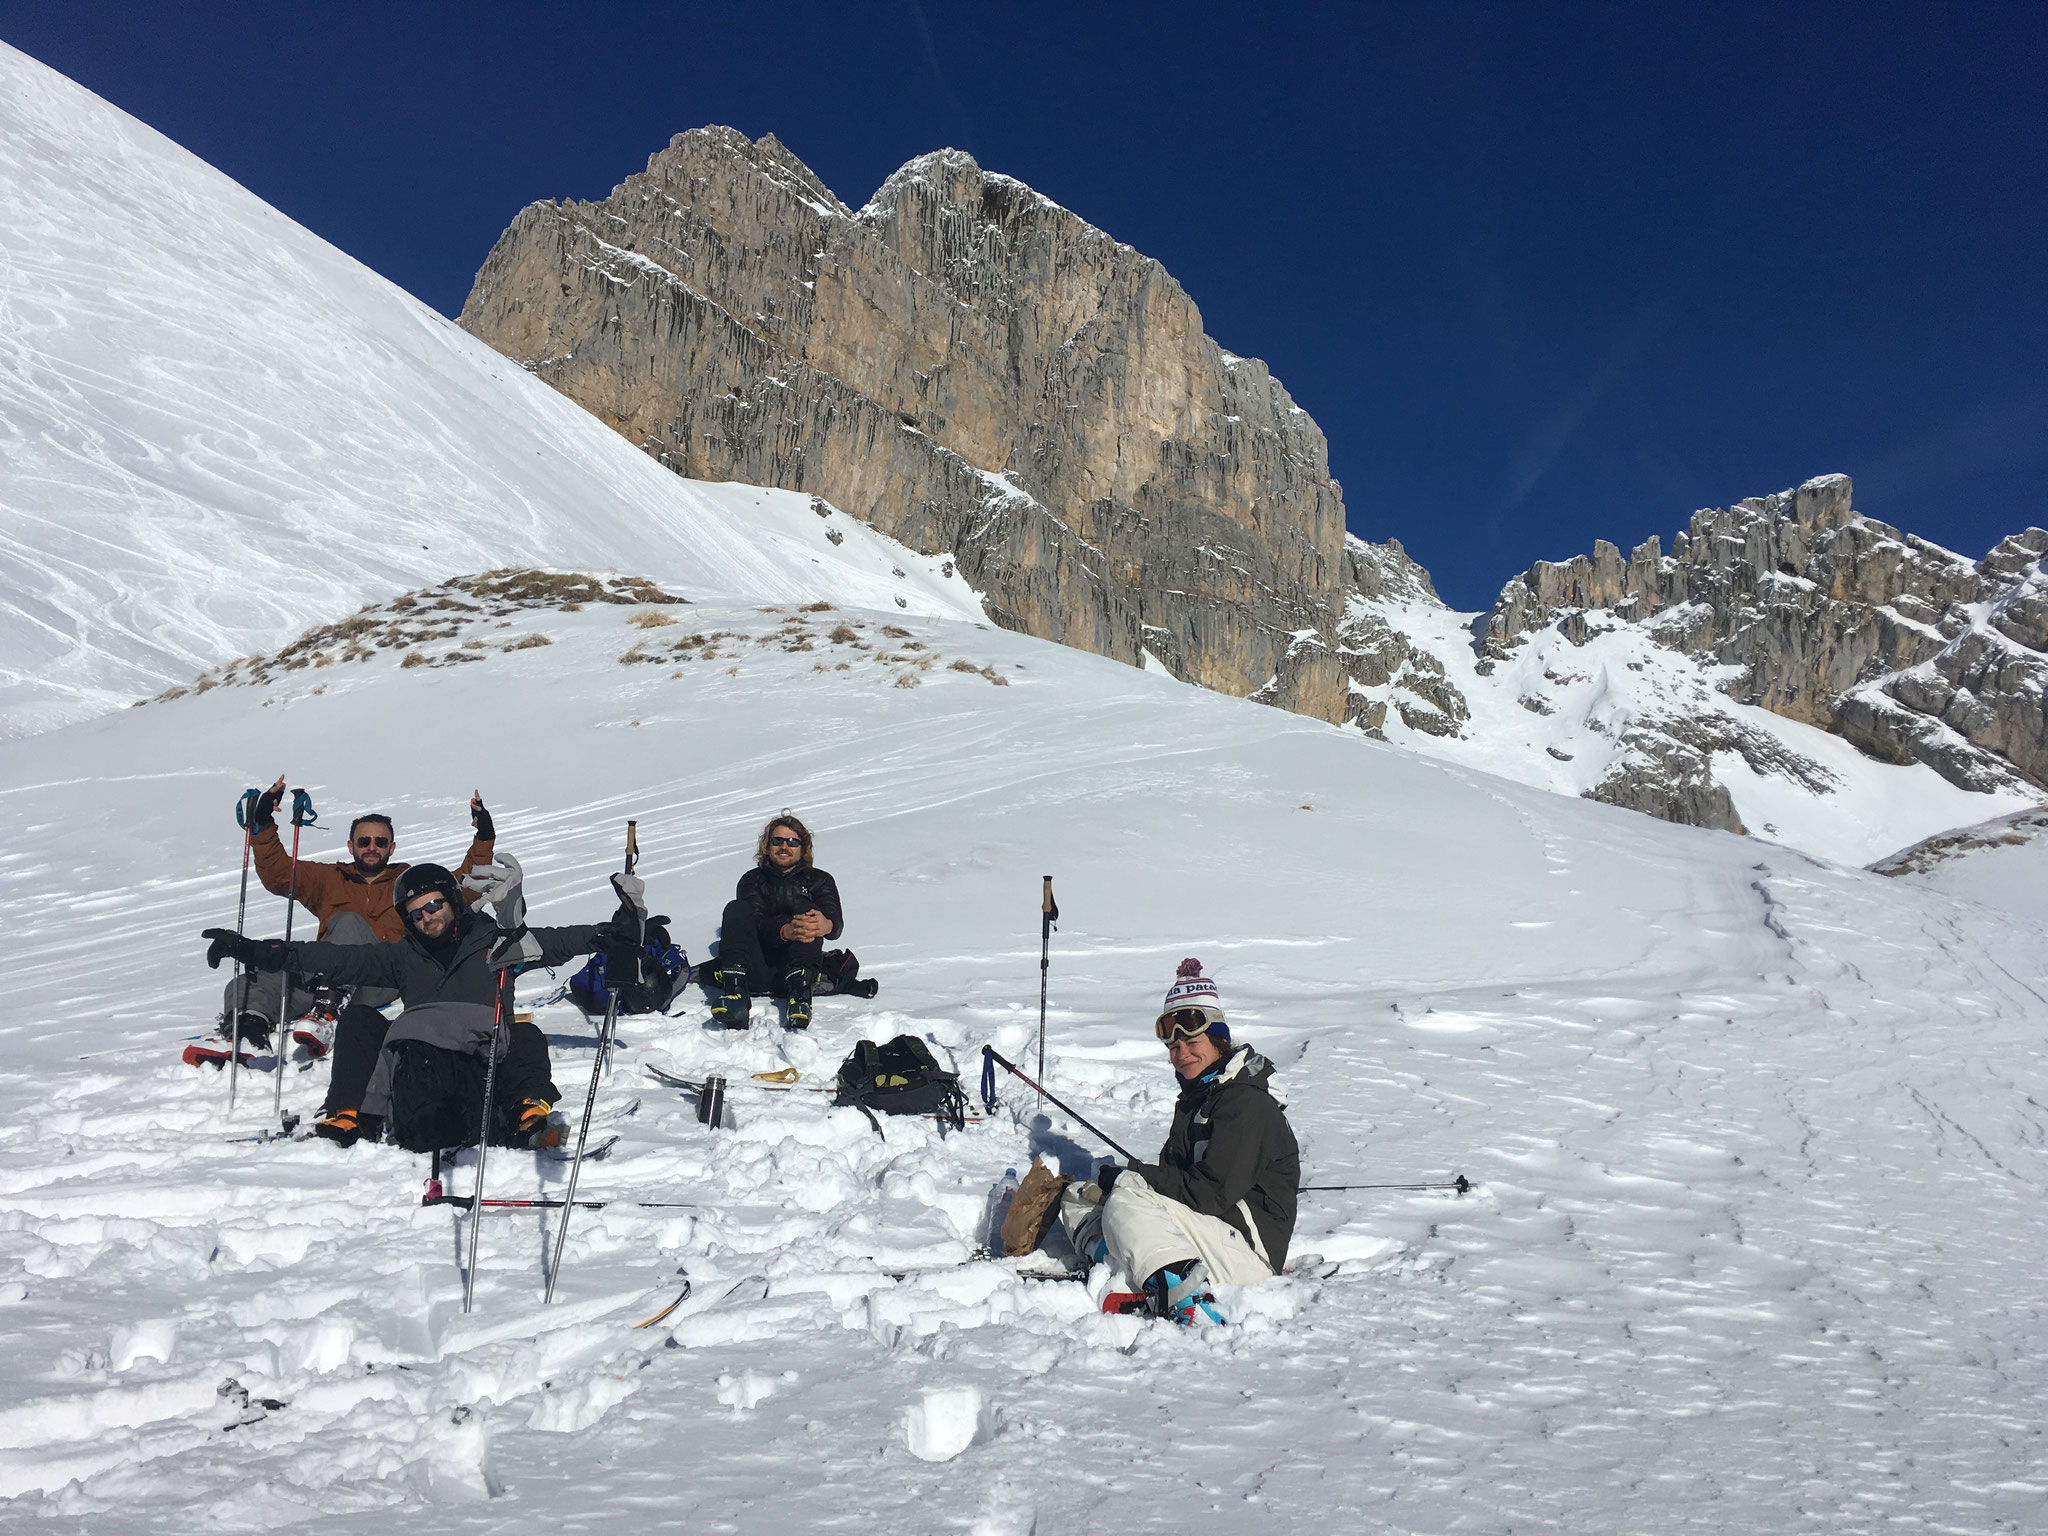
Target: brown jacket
point(327, 890)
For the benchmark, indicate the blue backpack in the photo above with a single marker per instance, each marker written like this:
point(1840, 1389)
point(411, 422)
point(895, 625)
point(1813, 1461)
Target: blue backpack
point(664, 972)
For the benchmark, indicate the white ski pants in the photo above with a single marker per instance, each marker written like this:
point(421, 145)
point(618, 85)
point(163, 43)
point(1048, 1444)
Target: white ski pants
point(1140, 1231)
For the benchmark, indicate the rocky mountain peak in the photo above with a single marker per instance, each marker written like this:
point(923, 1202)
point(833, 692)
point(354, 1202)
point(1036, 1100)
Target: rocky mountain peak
point(969, 367)
point(1908, 650)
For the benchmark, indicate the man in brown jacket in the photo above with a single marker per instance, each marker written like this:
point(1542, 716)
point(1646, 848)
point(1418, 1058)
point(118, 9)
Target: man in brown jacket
point(362, 886)
point(352, 902)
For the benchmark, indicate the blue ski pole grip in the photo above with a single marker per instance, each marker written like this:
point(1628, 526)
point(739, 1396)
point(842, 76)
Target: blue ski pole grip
point(245, 808)
point(303, 813)
point(988, 1079)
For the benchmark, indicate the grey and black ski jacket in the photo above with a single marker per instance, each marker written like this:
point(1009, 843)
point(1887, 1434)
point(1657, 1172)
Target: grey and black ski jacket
point(1231, 1153)
point(457, 971)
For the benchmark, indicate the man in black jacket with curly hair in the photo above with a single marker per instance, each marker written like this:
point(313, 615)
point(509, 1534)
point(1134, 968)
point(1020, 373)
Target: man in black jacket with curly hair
point(772, 936)
point(1219, 1205)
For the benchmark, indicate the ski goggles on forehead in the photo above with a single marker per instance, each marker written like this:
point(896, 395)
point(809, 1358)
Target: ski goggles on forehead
point(1181, 1024)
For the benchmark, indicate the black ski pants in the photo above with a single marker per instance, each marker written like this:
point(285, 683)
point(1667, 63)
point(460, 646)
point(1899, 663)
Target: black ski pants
point(525, 1073)
point(755, 944)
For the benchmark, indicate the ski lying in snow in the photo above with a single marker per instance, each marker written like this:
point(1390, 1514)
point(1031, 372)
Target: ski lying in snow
point(694, 1085)
point(591, 1153)
point(758, 1080)
point(290, 1132)
point(209, 1056)
point(543, 1202)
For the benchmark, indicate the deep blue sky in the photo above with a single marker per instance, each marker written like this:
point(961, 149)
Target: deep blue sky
point(1542, 273)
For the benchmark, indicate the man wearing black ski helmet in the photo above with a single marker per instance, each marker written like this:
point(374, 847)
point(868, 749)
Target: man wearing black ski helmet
point(450, 970)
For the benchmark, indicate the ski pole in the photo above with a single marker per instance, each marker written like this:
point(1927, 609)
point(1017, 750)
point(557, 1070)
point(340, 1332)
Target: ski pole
point(568, 1203)
point(990, 1053)
point(483, 1139)
point(1048, 914)
point(1461, 1184)
point(632, 857)
point(597, 1067)
point(303, 815)
point(245, 818)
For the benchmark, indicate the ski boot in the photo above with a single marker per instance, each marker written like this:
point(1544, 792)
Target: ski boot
point(252, 1030)
point(731, 1006)
point(538, 1127)
point(1181, 1292)
point(315, 1032)
point(796, 988)
point(341, 1128)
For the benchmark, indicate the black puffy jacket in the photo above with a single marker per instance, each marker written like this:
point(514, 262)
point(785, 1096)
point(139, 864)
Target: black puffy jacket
point(456, 970)
point(775, 893)
point(1231, 1153)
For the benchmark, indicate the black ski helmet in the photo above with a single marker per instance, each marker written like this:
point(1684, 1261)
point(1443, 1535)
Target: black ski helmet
point(417, 880)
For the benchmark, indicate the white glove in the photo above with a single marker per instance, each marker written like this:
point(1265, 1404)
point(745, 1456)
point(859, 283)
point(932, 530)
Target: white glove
point(501, 885)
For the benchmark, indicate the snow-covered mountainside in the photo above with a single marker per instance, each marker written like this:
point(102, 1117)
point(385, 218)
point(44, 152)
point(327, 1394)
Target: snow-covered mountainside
point(1757, 1141)
point(214, 427)
point(1608, 711)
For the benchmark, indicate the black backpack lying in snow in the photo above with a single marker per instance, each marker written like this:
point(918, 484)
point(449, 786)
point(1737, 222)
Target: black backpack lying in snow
point(900, 1078)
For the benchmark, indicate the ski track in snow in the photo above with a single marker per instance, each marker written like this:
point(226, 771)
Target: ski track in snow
point(1759, 1142)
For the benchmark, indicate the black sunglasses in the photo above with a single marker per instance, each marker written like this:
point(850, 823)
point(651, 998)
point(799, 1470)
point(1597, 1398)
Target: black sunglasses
point(426, 908)
point(785, 842)
point(373, 842)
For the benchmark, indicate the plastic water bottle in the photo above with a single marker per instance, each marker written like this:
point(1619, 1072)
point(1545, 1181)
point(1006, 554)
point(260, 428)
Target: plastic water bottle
point(998, 1207)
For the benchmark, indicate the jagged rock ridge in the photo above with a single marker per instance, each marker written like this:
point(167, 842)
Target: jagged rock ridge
point(1908, 650)
point(970, 368)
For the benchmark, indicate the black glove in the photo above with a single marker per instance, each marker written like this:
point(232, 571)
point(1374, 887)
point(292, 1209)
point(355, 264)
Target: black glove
point(256, 954)
point(486, 829)
point(619, 942)
point(264, 817)
point(1106, 1177)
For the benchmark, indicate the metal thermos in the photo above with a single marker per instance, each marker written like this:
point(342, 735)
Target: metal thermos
point(711, 1102)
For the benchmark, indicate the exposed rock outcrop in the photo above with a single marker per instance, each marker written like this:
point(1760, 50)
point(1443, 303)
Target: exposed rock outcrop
point(1383, 663)
point(1908, 650)
point(970, 368)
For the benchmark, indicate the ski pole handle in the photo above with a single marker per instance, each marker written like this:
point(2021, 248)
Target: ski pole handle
point(632, 844)
point(303, 814)
point(245, 808)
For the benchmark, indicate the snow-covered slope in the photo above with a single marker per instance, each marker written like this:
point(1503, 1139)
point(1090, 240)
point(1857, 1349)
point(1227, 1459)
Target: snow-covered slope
point(1755, 1244)
point(1564, 716)
point(216, 428)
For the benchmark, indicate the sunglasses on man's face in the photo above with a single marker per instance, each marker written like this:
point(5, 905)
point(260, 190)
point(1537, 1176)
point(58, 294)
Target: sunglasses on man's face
point(367, 841)
point(1182, 1024)
point(427, 908)
point(785, 842)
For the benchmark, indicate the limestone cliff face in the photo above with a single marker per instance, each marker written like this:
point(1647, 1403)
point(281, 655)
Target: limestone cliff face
point(969, 367)
point(1909, 651)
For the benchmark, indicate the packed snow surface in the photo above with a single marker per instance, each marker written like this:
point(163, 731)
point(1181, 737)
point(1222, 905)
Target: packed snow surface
point(215, 426)
point(1758, 1142)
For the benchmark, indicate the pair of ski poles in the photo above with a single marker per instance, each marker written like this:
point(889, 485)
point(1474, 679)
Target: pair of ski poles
point(303, 815)
point(506, 981)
